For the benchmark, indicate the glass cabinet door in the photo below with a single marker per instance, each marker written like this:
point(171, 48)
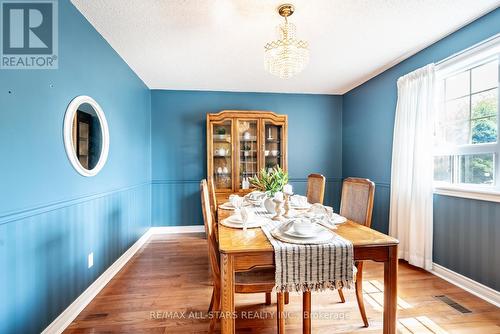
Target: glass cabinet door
point(222, 155)
point(273, 153)
point(247, 150)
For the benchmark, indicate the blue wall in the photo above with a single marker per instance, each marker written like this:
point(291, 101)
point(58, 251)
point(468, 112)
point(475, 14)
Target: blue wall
point(367, 129)
point(179, 149)
point(50, 216)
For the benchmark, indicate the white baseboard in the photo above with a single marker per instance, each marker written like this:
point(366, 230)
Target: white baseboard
point(482, 291)
point(177, 229)
point(73, 310)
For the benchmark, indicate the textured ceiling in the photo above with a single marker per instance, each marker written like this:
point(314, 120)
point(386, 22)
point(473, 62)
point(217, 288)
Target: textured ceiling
point(218, 44)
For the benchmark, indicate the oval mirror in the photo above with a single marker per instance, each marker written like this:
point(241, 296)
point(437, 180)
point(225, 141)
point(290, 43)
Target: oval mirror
point(86, 135)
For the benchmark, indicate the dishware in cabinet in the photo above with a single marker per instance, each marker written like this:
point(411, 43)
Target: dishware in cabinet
point(247, 152)
point(220, 153)
point(274, 147)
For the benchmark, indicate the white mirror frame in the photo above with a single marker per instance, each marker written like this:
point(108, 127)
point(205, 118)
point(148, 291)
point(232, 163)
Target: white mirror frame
point(68, 135)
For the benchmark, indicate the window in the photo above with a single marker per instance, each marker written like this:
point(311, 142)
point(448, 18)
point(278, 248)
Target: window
point(467, 149)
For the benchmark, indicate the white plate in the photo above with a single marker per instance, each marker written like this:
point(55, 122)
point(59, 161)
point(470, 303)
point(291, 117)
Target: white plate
point(312, 232)
point(333, 222)
point(236, 222)
point(226, 206)
point(323, 238)
point(229, 206)
point(337, 219)
point(299, 207)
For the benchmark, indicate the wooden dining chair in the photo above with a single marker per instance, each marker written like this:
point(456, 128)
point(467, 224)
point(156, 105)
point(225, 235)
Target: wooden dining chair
point(213, 201)
point(315, 188)
point(356, 204)
point(254, 281)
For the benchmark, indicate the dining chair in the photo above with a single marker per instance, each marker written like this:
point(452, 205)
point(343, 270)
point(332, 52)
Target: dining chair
point(356, 204)
point(212, 200)
point(254, 281)
point(315, 188)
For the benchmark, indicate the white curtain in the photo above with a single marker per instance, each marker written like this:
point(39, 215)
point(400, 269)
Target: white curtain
point(412, 167)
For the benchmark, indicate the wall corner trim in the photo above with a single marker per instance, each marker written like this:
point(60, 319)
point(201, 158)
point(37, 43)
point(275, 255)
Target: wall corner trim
point(73, 310)
point(479, 290)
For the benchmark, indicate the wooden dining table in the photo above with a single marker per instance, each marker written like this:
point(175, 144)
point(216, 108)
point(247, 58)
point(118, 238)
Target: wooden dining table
point(243, 251)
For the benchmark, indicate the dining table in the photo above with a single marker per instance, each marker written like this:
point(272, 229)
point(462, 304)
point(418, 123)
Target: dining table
point(242, 251)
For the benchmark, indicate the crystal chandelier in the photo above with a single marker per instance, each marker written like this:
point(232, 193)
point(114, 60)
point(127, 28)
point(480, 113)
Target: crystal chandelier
point(288, 55)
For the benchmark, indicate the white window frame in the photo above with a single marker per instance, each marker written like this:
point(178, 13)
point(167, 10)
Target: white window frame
point(469, 58)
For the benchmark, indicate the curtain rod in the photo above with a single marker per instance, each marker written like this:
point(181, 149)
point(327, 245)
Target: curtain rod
point(488, 40)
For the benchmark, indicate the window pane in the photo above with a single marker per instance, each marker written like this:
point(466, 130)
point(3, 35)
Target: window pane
point(456, 110)
point(485, 103)
point(477, 169)
point(457, 133)
point(484, 130)
point(485, 76)
point(457, 85)
point(442, 168)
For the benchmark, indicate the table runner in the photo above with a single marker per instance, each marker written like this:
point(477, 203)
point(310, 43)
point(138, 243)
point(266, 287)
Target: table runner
point(312, 267)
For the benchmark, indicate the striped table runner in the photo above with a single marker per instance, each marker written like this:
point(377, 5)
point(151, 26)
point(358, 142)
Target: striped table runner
point(312, 267)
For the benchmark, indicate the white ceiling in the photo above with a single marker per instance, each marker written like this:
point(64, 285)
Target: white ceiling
point(218, 44)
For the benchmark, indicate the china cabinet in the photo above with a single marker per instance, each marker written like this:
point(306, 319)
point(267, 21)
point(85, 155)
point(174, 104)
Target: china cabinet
point(240, 143)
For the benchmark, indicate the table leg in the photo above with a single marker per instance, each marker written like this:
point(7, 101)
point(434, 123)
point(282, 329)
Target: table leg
point(306, 312)
point(227, 294)
point(281, 316)
point(391, 291)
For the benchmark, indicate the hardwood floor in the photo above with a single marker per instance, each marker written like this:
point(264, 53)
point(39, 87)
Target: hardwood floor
point(170, 275)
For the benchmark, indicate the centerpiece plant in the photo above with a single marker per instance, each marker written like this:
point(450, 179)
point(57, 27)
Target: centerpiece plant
point(270, 182)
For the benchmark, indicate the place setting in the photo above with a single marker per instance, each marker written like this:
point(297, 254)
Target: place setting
point(286, 216)
point(247, 212)
point(302, 231)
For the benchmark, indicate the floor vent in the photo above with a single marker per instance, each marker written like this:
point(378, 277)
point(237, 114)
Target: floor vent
point(452, 303)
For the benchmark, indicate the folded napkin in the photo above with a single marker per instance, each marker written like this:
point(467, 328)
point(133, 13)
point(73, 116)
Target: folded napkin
point(317, 208)
point(236, 201)
point(255, 198)
point(298, 200)
point(246, 216)
point(323, 215)
point(312, 267)
point(255, 195)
